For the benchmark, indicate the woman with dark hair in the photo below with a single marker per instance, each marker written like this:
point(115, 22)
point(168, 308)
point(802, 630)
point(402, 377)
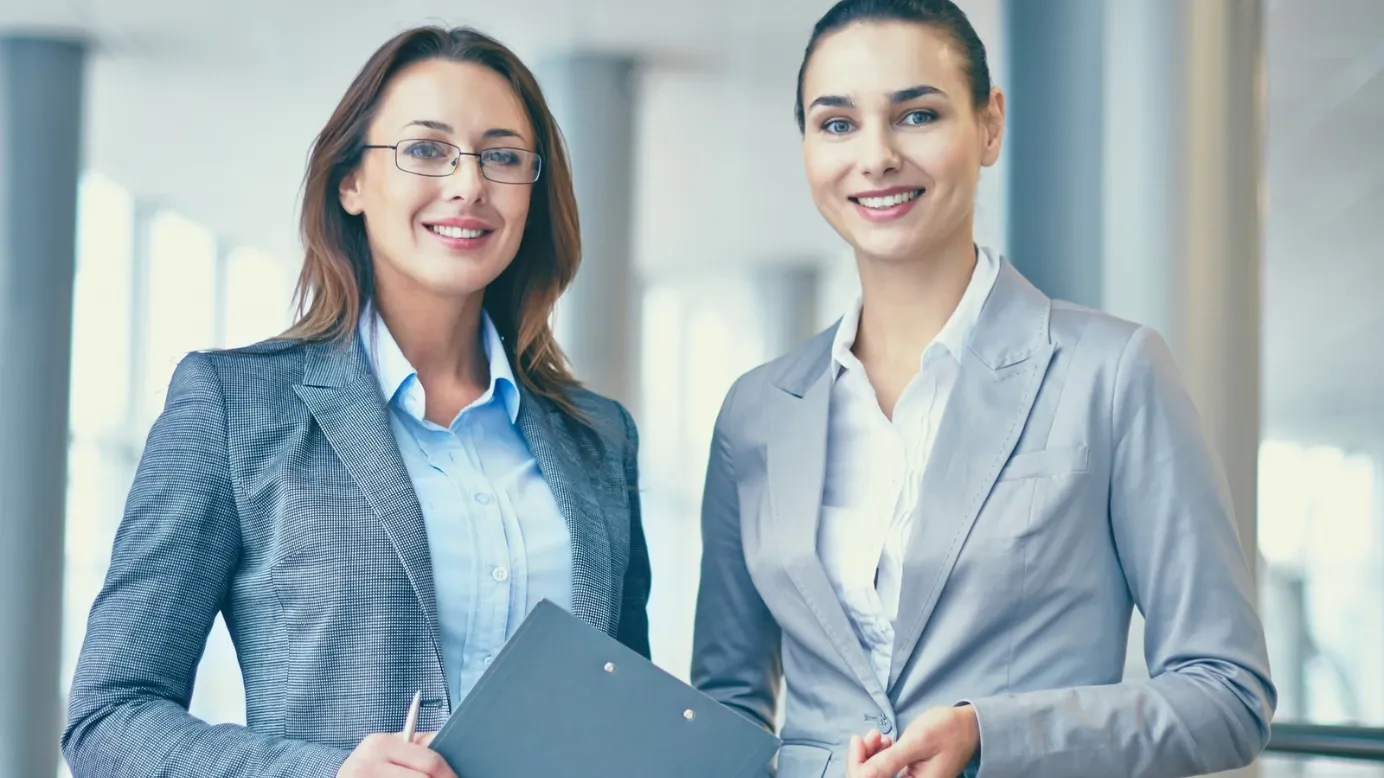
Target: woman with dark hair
point(376, 499)
point(934, 520)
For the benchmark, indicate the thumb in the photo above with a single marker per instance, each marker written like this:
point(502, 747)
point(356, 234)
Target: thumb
point(423, 738)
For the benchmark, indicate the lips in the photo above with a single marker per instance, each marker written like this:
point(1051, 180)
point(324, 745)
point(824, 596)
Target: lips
point(459, 228)
point(886, 199)
point(460, 233)
point(448, 231)
point(886, 205)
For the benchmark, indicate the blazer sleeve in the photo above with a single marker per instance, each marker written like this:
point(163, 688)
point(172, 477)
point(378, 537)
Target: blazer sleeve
point(1208, 702)
point(736, 657)
point(634, 606)
point(171, 565)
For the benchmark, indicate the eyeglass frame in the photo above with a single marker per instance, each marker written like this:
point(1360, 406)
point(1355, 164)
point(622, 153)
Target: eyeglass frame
point(456, 161)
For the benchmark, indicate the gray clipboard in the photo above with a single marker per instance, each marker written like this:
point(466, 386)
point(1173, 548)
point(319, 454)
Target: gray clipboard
point(565, 699)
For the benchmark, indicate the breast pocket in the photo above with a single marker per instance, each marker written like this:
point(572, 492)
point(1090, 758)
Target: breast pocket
point(800, 760)
point(1046, 463)
point(1033, 489)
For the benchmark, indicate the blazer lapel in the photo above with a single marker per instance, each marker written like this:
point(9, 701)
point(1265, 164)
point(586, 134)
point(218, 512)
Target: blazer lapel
point(344, 397)
point(796, 454)
point(560, 461)
point(1001, 372)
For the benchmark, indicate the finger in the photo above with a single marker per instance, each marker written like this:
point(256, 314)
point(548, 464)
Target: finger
point(887, 763)
point(872, 742)
point(855, 754)
point(420, 759)
point(424, 738)
point(393, 771)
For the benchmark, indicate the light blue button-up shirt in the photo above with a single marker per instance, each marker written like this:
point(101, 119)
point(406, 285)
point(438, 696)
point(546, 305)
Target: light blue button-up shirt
point(498, 541)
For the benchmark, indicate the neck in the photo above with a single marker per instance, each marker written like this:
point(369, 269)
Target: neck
point(439, 336)
point(906, 303)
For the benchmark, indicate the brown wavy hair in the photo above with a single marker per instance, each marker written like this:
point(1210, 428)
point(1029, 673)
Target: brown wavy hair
point(337, 279)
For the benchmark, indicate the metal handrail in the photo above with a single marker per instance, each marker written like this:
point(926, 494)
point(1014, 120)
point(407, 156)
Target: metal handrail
point(1336, 742)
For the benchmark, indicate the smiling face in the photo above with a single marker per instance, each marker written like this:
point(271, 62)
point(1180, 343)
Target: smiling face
point(892, 144)
point(451, 233)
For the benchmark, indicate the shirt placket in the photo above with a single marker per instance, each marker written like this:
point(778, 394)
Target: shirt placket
point(494, 571)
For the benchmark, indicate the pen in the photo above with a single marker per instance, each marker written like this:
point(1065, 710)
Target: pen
point(411, 721)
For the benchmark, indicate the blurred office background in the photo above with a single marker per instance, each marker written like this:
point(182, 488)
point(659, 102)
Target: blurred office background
point(1211, 167)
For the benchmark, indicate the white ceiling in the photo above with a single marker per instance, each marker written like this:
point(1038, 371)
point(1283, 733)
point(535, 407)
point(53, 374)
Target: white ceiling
point(210, 108)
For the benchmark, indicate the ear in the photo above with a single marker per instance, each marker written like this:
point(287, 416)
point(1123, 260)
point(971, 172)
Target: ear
point(992, 128)
point(349, 194)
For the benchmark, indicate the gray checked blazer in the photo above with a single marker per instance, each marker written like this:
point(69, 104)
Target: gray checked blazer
point(271, 490)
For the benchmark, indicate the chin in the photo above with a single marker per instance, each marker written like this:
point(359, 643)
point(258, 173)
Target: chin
point(454, 281)
point(885, 248)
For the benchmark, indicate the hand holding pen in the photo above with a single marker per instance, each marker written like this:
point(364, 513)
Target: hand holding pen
point(404, 755)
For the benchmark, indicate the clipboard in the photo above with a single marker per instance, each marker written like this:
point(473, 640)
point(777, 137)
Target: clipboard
point(564, 699)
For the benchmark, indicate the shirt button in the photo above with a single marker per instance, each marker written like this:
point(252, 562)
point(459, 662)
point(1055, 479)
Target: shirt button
point(488, 660)
point(500, 574)
point(482, 498)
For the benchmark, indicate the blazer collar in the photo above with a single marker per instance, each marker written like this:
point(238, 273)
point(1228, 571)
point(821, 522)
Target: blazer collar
point(335, 364)
point(1012, 325)
point(343, 395)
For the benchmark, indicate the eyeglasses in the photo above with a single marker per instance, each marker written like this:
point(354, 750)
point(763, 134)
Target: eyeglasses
point(438, 159)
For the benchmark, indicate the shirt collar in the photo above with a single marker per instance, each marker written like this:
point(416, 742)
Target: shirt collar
point(953, 335)
point(396, 374)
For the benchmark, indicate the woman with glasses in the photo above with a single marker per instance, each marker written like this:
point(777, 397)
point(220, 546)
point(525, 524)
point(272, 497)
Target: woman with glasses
point(376, 499)
point(933, 521)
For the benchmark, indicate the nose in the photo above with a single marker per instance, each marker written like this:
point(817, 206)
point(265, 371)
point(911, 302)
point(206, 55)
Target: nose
point(466, 182)
point(878, 153)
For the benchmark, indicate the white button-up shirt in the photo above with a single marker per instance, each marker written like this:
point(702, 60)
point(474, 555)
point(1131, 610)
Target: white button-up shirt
point(875, 466)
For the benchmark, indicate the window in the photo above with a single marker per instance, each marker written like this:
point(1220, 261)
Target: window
point(181, 308)
point(258, 293)
point(101, 307)
point(1320, 539)
point(99, 461)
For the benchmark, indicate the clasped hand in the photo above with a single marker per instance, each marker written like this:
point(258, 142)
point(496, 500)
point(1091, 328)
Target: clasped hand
point(938, 744)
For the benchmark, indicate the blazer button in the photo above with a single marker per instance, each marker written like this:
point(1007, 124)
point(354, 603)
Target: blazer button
point(885, 726)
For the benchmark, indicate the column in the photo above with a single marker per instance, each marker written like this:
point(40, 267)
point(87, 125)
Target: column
point(41, 96)
point(1183, 207)
point(786, 301)
point(593, 97)
point(1053, 82)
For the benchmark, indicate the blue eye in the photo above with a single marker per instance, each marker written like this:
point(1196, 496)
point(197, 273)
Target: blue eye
point(836, 126)
point(916, 118)
point(501, 157)
point(426, 149)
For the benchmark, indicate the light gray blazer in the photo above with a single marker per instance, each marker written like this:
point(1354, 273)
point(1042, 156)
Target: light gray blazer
point(272, 490)
point(1070, 483)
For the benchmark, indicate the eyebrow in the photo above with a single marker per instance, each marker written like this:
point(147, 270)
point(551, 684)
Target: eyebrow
point(494, 132)
point(901, 96)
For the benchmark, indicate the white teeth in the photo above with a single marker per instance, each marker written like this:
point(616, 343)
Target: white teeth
point(455, 232)
point(890, 201)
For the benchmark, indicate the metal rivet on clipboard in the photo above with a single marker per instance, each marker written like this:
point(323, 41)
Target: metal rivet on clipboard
point(688, 714)
point(610, 667)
